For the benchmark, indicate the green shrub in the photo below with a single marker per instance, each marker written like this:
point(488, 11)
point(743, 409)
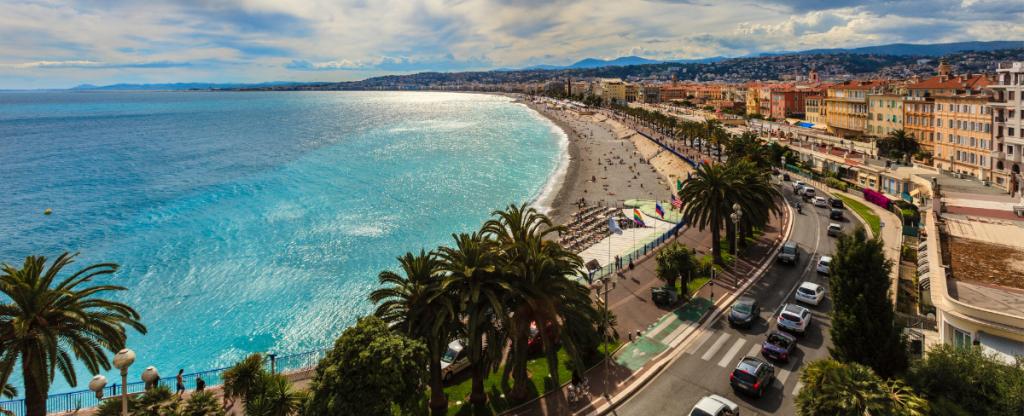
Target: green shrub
point(837, 184)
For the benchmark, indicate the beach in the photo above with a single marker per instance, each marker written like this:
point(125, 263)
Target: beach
point(609, 163)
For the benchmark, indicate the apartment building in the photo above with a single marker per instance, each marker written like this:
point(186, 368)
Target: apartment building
point(650, 94)
point(885, 111)
point(789, 102)
point(847, 106)
point(753, 99)
point(963, 132)
point(612, 90)
point(814, 109)
point(1008, 128)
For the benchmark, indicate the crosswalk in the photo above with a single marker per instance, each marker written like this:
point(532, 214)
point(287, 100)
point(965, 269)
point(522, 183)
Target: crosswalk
point(726, 348)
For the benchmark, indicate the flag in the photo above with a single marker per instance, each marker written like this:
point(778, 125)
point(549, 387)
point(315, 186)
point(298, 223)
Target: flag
point(676, 202)
point(705, 161)
point(679, 183)
point(658, 209)
point(639, 219)
point(687, 177)
point(614, 226)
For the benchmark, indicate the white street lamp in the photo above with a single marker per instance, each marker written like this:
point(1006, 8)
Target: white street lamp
point(97, 385)
point(736, 216)
point(122, 361)
point(150, 376)
point(606, 283)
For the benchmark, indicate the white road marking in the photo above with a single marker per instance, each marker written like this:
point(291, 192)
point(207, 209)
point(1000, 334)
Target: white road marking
point(754, 351)
point(796, 390)
point(673, 339)
point(731, 353)
point(782, 374)
point(700, 343)
point(715, 347)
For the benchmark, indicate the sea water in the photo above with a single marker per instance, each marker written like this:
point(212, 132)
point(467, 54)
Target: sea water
point(256, 222)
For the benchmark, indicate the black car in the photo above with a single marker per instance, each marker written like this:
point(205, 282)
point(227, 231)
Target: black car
point(744, 312)
point(785, 176)
point(835, 203)
point(752, 375)
point(836, 214)
point(779, 346)
point(789, 253)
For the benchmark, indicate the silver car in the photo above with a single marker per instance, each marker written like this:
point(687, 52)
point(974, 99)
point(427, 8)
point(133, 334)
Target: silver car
point(794, 318)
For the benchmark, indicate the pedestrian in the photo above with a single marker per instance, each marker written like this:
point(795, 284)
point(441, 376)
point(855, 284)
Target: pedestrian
point(200, 384)
point(181, 383)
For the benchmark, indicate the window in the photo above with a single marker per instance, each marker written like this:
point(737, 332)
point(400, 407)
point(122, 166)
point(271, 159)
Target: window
point(961, 339)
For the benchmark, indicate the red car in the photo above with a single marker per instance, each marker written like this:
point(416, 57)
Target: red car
point(536, 343)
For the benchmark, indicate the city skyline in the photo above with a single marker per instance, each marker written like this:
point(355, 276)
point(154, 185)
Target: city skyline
point(67, 43)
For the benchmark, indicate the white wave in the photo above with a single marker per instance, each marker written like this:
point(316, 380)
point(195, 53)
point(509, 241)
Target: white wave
point(544, 200)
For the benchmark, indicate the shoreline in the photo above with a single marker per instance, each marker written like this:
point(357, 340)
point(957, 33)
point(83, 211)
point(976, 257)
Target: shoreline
point(559, 211)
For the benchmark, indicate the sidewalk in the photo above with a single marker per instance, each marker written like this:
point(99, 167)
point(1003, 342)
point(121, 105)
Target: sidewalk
point(663, 329)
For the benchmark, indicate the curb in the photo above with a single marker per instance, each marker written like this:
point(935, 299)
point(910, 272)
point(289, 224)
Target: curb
point(685, 339)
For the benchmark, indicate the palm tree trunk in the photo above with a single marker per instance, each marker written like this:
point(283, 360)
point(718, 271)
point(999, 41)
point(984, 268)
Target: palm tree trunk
point(716, 248)
point(35, 391)
point(438, 400)
point(477, 395)
point(518, 361)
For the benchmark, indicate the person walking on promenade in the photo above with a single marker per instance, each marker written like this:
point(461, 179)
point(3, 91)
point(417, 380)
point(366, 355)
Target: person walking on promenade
point(181, 383)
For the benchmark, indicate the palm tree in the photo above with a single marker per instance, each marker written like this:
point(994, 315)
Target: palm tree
point(205, 404)
point(757, 199)
point(43, 324)
point(415, 305)
point(675, 261)
point(900, 141)
point(708, 127)
point(277, 397)
point(479, 290)
point(708, 198)
point(243, 379)
point(834, 388)
point(901, 399)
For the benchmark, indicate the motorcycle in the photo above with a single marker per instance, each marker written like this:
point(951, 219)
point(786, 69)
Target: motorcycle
point(798, 209)
point(578, 391)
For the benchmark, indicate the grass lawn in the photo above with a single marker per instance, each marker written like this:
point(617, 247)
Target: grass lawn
point(726, 257)
point(864, 212)
point(540, 382)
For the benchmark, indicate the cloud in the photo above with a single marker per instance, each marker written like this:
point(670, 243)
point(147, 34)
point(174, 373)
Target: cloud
point(400, 64)
point(97, 65)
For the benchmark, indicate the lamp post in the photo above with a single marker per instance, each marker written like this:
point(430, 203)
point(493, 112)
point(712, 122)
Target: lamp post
point(607, 284)
point(736, 216)
point(122, 361)
point(97, 385)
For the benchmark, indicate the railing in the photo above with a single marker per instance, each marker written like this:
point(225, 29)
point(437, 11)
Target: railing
point(71, 401)
point(636, 254)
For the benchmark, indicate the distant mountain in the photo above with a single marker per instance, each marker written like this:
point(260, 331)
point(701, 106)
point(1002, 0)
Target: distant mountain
point(181, 86)
point(900, 49)
point(621, 61)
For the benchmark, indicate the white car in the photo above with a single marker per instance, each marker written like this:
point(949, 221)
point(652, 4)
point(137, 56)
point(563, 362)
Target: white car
point(715, 405)
point(807, 191)
point(454, 360)
point(798, 184)
point(794, 318)
point(810, 293)
point(819, 201)
point(823, 263)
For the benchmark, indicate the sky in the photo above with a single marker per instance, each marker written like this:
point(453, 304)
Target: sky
point(61, 44)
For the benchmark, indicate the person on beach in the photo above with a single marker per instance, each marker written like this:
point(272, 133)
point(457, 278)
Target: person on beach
point(200, 384)
point(181, 383)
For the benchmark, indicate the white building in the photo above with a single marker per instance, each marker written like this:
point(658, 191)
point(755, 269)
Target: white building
point(1008, 131)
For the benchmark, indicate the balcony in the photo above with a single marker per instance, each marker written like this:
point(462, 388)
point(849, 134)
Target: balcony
point(1014, 157)
point(999, 119)
point(998, 155)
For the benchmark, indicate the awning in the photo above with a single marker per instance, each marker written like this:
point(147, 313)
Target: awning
point(915, 192)
point(820, 127)
point(848, 167)
point(1004, 348)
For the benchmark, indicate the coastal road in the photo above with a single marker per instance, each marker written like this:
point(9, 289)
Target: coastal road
point(705, 366)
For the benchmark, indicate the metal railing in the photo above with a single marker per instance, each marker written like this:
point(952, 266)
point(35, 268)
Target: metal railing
point(71, 401)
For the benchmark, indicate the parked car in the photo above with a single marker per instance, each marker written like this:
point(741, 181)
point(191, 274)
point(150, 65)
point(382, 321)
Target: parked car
point(715, 405)
point(778, 346)
point(820, 202)
point(752, 375)
point(834, 229)
point(823, 263)
point(454, 360)
point(810, 293)
point(789, 253)
point(835, 214)
point(794, 318)
point(785, 176)
point(744, 312)
point(835, 203)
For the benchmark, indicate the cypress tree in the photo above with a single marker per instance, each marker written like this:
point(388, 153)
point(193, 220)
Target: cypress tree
point(864, 329)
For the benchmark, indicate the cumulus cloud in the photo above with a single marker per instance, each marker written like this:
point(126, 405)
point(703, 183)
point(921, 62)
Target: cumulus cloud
point(97, 65)
point(399, 64)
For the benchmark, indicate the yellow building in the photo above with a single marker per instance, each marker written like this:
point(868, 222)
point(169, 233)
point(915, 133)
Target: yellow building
point(963, 132)
point(885, 112)
point(613, 90)
point(753, 101)
point(919, 104)
point(814, 110)
point(847, 106)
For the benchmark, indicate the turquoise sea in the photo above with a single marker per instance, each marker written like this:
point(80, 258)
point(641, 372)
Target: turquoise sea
point(248, 222)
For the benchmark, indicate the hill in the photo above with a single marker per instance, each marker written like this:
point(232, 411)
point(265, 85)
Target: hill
point(903, 49)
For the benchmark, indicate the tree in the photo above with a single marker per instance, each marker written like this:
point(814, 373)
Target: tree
point(416, 305)
point(275, 397)
point(675, 261)
point(44, 324)
point(479, 290)
point(708, 199)
point(242, 380)
point(369, 369)
point(205, 404)
point(899, 141)
point(834, 388)
point(864, 329)
point(968, 378)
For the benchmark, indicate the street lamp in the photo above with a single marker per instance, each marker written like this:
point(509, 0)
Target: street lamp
point(736, 216)
point(608, 284)
point(122, 361)
point(97, 385)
